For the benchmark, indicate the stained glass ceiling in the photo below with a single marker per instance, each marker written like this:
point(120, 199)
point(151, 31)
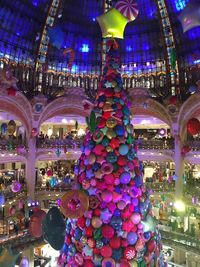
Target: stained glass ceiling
point(22, 24)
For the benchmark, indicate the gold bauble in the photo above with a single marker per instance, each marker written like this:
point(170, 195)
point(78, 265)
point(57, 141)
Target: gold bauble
point(111, 123)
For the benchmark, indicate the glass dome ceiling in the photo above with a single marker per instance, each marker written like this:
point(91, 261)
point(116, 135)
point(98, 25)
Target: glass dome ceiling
point(144, 50)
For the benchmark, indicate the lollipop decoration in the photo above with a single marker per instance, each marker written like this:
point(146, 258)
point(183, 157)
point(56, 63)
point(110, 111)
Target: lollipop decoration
point(74, 203)
point(71, 53)
point(128, 8)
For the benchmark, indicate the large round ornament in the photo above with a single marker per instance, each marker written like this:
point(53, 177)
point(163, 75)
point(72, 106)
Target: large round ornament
point(128, 8)
point(74, 203)
point(193, 126)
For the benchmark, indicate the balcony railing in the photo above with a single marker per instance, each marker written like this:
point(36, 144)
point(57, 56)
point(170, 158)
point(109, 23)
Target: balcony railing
point(156, 144)
point(53, 83)
point(59, 143)
point(161, 187)
point(194, 145)
point(184, 241)
point(76, 143)
point(11, 144)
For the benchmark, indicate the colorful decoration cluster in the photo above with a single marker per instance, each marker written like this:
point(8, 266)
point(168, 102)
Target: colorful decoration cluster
point(117, 227)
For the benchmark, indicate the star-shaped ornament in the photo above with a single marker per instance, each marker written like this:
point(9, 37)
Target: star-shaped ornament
point(149, 224)
point(112, 24)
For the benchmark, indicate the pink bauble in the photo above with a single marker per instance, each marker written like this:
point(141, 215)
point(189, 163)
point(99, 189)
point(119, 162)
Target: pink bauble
point(121, 205)
point(49, 173)
point(136, 218)
point(15, 187)
point(106, 196)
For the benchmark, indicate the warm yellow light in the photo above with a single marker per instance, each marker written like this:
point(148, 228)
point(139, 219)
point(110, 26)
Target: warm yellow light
point(179, 205)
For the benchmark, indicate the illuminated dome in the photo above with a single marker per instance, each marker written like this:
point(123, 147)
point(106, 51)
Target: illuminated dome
point(145, 50)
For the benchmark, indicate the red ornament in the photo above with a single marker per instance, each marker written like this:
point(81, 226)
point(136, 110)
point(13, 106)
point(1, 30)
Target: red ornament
point(106, 251)
point(185, 150)
point(124, 263)
point(115, 242)
point(88, 263)
point(173, 100)
point(11, 91)
point(107, 231)
point(151, 245)
point(81, 222)
point(89, 231)
point(193, 126)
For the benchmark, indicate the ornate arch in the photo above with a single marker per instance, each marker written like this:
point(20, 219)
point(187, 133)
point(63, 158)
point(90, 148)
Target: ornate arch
point(18, 106)
point(187, 111)
point(148, 106)
point(71, 104)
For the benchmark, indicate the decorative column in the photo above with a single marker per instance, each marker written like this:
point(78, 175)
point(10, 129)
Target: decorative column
point(30, 167)
point(179, 167)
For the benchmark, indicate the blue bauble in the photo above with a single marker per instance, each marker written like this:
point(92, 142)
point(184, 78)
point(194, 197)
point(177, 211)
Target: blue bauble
point(96, 166)
point(138, 181)
point(116, 222)
point(119, 130)
point(71, 250)
point(117, 254)
point(111, 157)
point(78, 233)
point(147, 235)
point(126, 111)
point(132, 238)
point(117, 213)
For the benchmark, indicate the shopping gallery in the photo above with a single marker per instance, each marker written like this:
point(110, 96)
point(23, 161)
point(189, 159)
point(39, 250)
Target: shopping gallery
point(99, 133)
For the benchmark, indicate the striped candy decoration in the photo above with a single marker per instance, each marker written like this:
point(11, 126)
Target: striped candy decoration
point(128, 8)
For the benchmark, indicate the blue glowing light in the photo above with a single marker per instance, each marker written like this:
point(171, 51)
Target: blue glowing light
point(180, 4)
point(74, 69)
point(129, 48)
point(85, 48)
point(94, 19)
point(35, 2)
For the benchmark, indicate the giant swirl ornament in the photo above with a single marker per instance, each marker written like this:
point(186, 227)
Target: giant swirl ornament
point(128, 8)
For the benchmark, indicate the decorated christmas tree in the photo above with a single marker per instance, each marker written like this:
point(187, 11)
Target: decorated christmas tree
point(110, 221)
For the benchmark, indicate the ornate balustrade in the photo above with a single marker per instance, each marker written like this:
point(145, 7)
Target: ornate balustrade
point(10, 144)
point(53, 83)
point(59, 143)
point(156, 144)
point(181, 240)
point(161, 187)
point(76, 143)
point(194, 145)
